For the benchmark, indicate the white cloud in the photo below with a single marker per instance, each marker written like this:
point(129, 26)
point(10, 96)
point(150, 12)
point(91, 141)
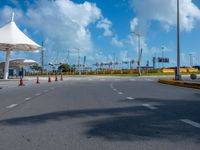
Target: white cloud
point(63, 24)
point(116, 42)
point(164, 11)
point(106, 25)
point(134, 24)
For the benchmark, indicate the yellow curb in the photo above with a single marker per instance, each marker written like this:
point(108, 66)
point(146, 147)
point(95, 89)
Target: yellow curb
point(187, 84)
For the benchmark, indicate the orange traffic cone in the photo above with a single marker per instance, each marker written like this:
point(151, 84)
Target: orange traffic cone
point(37, 82)
point(21, 83)
point(49, 79)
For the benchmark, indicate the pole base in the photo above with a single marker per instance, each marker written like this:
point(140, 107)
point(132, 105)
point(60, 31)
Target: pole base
point(178, 77)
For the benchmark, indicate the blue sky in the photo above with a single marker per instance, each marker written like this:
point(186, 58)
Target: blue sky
point(101, 28)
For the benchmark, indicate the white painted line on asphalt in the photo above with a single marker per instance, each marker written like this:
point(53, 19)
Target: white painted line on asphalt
point(149, 80)
point(46, 90)
point(149, 106)
point(129, 98)
point(120, 93)
point(37, 94)
point(132, 79)
point(11, 106)
point(102, 79)
point(28, 98)
point(117, 79)
point(114, 89)
point(90, 79)
point(190, 122)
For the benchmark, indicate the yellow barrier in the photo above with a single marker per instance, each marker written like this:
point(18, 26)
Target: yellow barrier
point(187, 84)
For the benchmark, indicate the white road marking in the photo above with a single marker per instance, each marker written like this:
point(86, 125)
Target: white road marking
point(46, 90)
point(190, 122)
point(149, 106)
point(11, 106)
point(129, 98)
point(149, 80)
point(120, 93)
point(117, 79)
point(37, 94)
point(132, 79)
point(28, 98)
point(114, 89)
point(90, 79)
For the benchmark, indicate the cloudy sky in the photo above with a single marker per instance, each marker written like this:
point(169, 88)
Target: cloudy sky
point(101, 29)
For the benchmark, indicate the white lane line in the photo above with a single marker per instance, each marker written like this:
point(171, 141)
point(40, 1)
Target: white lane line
point(129, 98)
point(11, 106)
point(28, 98)
point(114, 89)
point(149, 106)
point(37, 94)
point(46, 90)
point(120, 93)
point(149, 80)
point(132, 80)
point(102, 79)
point(190, 122)
point(117, 79)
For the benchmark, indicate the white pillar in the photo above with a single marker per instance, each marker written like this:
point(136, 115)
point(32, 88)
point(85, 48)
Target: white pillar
point(6, 68)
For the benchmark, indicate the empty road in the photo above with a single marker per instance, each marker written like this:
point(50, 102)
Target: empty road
point(96, 113)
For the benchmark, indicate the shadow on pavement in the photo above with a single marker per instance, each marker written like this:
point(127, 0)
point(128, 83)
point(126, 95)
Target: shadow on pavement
point(128, 123)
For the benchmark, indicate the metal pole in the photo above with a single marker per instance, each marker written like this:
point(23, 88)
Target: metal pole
point(162, 57)
point(78, 61)
point(6, 67)
point(191, 60)
point(42, 57)
point(178, 77)
point(139, 72)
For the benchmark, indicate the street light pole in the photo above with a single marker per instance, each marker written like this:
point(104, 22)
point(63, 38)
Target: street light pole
point(138, 35)
point(178, 76)
point(78, 61)
point(162, 57)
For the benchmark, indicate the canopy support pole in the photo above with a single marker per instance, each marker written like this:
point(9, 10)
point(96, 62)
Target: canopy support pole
point(6, 68)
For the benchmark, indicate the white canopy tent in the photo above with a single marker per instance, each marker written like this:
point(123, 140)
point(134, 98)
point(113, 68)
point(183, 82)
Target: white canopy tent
point(23, 62)
point(20, 62)
point(12, 39)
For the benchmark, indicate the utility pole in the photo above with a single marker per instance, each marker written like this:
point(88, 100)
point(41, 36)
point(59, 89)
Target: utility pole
point(78, 61)
point(162, 57)
point(178, 76)
point(139, 52)
point(42, 57)
point(191, 60)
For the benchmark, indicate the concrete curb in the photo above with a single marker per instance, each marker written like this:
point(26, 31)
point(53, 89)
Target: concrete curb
point(195, 85)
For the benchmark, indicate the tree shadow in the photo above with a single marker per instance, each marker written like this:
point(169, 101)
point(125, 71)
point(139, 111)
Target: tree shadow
point(128, 123)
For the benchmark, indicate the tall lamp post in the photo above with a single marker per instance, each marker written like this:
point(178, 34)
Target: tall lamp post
point(139, 51)
point(178, 76)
